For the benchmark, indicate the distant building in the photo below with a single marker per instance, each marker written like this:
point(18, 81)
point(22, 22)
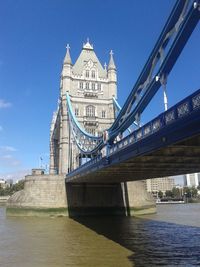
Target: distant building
point(3, 184)
point(9, 182)
point(160, 184)
point(192, 179)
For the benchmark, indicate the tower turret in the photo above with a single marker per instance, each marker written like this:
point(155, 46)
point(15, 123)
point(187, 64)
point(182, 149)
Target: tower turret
point(111, 65)
point(67, 59)
point(66, 72)
point(65, 86)
point(112, 76)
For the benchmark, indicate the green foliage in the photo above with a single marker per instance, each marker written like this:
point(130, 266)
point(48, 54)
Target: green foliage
point(12, 189)
point(194, 192)
point(176, 193)
point(190, 192)
point(160, 194)
point(168, 193)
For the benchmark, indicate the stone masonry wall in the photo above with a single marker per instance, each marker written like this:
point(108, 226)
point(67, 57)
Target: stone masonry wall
point(41, 191)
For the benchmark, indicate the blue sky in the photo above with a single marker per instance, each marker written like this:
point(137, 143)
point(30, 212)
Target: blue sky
point(32, 47)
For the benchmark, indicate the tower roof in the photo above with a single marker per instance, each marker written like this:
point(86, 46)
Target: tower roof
point(67, 59)
point(111, 64)
point(88, 45)
point(89, 58)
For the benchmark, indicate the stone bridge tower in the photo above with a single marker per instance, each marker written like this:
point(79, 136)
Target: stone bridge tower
point(91, 88)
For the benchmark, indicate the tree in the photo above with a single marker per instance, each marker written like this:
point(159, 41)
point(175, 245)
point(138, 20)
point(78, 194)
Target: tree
point(187, 191)
point(12, 189)
point(1, 191)
point(190, 192)
point(160, 194)
point(194, 192)
point(168, 193)
point(176, 192)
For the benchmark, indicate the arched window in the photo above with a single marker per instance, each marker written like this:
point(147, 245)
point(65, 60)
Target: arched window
point(93, 86)
point(90, 111)
point(87, 73)
point(103, 114)
point(87, 85)
point(99, 86)
point(76, 111)
point(93, 73)
point(81, 85)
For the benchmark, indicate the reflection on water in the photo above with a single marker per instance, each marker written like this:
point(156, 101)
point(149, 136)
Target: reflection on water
point(154, 240)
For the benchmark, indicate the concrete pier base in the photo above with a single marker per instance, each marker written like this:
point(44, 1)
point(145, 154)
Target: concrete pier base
point(126, 199)
point(48, 195)
point(137, 200)
point(43, 195)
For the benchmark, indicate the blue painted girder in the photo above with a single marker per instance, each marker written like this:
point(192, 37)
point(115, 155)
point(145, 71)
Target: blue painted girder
point(167, 139)
point(181, 39)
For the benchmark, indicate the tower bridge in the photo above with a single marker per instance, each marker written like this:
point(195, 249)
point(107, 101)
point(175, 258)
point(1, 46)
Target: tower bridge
point(100, 151)
point(86, 103)
point(109, 153)
point(166, 146)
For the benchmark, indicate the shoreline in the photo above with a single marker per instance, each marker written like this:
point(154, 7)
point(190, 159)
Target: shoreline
point(170, 202)
point(4, 199)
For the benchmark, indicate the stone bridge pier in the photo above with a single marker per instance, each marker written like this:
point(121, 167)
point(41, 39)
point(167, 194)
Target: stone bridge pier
point(49, 195)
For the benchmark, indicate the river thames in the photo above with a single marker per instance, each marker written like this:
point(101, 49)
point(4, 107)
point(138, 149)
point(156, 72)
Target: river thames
point(169, 238)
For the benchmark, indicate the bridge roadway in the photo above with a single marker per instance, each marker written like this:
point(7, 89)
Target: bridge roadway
point(168, 145)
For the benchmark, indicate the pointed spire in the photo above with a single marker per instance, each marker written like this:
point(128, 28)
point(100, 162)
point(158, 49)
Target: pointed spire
point(111, 64)
point(67, 59)
point(88, 45)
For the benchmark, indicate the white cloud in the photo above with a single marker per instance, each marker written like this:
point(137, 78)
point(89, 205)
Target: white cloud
point(6, 156)
point(9, 161)
point(7, 149)
point(17, 175)
point(4, 104)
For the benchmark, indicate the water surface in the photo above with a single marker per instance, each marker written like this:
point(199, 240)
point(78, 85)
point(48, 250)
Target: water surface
point(169, 238)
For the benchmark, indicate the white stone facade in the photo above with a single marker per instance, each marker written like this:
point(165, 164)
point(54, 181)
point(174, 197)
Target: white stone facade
point(91, 88)
point(160, 184)
point(192, 179)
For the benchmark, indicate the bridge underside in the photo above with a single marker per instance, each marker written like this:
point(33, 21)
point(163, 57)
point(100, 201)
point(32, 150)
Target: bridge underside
point(180, 158)
point(173, 150)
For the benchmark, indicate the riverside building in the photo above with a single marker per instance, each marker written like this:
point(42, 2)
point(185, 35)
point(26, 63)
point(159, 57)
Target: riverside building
point(192, 179)
point(159, 184)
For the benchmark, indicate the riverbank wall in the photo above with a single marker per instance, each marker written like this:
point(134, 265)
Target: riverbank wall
point(4, 199)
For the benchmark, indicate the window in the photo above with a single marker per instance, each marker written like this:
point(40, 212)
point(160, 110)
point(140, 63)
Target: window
point(76, 112)
point(87, 73)
point(99, 133)
point(81, 85)
point(90, 111)
point(90, 130)
point(87, 86)
point(103, 114)
point(93, 86)
point(99, 86)
point(93, 73)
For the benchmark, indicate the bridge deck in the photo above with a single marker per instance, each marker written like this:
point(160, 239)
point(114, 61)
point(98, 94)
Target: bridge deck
point(168, 145)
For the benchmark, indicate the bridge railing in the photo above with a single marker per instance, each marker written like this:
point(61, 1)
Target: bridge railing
point(172, 115)
point(177, 112)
